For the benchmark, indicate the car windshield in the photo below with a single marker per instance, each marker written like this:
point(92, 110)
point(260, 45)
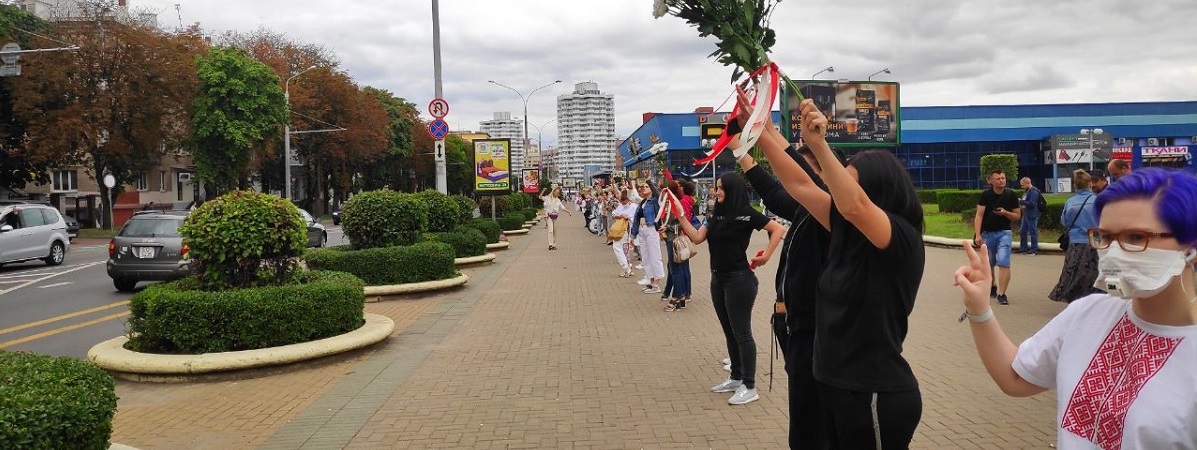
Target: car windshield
point(151, 228)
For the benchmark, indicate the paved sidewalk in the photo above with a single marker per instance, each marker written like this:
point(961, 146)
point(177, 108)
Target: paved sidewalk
point(553, 350)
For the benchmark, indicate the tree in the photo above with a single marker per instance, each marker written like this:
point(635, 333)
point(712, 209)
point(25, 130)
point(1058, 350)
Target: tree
point(116, 104)
point(240, 105)
point(16, 169)
point(403, 120)
point(459, 168)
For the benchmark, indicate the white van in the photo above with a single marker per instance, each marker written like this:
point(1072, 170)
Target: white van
point(32, 231)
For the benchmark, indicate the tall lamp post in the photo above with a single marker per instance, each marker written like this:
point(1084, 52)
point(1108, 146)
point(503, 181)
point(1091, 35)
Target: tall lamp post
point(525, 99)
point(885, 70)
point(827, 69)
point(287, 134)
point(1092, 134)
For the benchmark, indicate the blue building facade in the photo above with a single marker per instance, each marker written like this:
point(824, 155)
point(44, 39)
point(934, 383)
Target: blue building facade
point(942, 146)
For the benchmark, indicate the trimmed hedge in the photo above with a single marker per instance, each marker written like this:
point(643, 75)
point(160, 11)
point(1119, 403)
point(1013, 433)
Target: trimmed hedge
point(401, 264)
point(928, 195)
point(443, 211)
point(384, 218)
point(489, 228)
point(465, 241)
point(177, 317)
point(529, 213)
point(244, 239)
point(54, 402)
point(511, 222)
point(465, 208)
point(500, 202)
point(518, 201)
point(519, 214)
point(957, 200)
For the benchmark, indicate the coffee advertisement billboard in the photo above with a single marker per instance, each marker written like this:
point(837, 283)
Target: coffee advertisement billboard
point(860, 113)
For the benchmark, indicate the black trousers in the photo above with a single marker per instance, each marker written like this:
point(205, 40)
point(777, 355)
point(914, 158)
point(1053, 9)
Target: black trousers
point(806, 420)
point(870, 420)
point(733, 294)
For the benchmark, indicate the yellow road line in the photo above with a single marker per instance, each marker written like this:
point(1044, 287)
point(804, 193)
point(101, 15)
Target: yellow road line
point(63, 317)
point(65, 329)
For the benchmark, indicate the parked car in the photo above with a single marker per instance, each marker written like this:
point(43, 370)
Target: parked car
point(336, 215)
point(148, 248)
point(30, 231)
point(317, 235)
point(72, 227)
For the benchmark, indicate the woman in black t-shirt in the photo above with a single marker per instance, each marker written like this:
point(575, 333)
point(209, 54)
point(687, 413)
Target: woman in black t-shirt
point(733, 285)
point(869, 395)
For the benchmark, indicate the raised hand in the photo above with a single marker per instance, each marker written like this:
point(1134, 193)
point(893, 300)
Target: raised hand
point(813, 122)
point(974, 279)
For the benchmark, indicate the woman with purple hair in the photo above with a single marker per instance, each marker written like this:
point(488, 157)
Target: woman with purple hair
point(1123, 363)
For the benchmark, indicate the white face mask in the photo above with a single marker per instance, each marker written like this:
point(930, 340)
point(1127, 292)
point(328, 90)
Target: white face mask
point(1139, 274)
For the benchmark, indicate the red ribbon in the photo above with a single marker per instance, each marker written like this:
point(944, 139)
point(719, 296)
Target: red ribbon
point(724, 138)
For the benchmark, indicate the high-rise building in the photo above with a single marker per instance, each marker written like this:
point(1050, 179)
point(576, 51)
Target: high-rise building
point(586, 123)
point(503, 126)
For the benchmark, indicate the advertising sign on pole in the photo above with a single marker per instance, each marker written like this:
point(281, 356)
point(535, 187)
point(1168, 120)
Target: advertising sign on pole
point(532, 181)
point(1075, 148)
point(492, 165)
point(860, 113)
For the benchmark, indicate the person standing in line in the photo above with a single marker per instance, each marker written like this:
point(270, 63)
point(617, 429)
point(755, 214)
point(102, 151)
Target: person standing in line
point(804, 252)
point(1029, 224)
point(996, 211)
point(625, 211)
point(1080, 258)
point(1121, 363)
point(1118, 168)
point(1099, 181)
point(553, 207)
point(677, 290)
point(727, 232)
point(644, 227)
point(869, 395)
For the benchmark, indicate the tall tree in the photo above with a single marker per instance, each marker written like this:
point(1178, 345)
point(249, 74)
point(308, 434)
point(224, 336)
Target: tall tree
point(115, 105)
point(240, 106)
point(459, 165)
point(403, 118)
point(16, 168)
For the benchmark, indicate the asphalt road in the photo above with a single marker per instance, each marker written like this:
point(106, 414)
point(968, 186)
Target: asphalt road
point(65, 310)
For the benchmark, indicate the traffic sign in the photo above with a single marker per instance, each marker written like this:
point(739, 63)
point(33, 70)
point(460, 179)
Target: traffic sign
point(440, 150)
point(438, 129)
point(438, 107)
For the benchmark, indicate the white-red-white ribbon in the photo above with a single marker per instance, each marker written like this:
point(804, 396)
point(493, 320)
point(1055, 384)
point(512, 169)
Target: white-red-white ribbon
point(767, 79)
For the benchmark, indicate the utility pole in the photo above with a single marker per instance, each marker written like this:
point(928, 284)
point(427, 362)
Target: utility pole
point(442, 183)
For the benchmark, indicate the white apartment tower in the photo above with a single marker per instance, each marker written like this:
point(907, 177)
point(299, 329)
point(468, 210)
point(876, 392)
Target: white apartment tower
point(503, 126)
point(586, 123)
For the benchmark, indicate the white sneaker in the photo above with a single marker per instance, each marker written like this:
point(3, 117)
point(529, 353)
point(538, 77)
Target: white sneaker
point(727, 361)
point(644, 282)
point(728, 385)
point(639, 266)
point(743, 396)
point(651, 290)
point(727, 367)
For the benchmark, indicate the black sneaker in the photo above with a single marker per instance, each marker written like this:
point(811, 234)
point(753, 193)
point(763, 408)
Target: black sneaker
point(992, 291)
point(1002, 300)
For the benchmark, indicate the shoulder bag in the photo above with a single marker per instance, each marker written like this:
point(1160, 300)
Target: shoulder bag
point(1063, 239)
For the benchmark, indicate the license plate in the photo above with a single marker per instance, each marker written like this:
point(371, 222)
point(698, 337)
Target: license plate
point(145, 252)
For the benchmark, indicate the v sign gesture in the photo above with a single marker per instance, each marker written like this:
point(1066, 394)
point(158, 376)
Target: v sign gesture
point(974, 279)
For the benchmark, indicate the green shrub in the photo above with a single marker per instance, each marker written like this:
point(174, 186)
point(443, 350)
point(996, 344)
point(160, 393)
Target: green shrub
point(511, 222)
point(518, 214)
point(244, 239)
point(529, 213)
point(402, 264)
point(1007, 163)
point(465, 208)
point(500, 204)
point(178, 317)
point(465, 241)
point(383, 218)
point(957, 200)
point(518, 201)
point(443, 211)
point(54, 403)
point(927, 196)
point(489, 228)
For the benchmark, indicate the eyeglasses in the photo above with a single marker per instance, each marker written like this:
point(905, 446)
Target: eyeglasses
point(1130, 240)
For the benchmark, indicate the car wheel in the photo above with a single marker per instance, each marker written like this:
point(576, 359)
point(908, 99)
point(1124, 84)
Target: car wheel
point(323, 240)
point(57, 254)
point(124, 284)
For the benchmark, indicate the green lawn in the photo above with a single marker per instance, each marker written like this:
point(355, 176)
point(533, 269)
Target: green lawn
point(950, 225)
point(92, 233)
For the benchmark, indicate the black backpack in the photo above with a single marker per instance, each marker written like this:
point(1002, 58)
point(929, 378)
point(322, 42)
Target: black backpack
point(1042, 204)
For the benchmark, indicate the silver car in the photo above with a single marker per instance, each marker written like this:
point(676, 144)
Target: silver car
point(30, 232)
point(148, 248)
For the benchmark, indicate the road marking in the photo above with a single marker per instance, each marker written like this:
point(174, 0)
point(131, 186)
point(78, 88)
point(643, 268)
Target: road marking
point(64, 283)
point(65, 329)
point(63, 317)
point(52, 275)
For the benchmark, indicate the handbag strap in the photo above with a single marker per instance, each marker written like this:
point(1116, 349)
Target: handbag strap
point(1078, 213)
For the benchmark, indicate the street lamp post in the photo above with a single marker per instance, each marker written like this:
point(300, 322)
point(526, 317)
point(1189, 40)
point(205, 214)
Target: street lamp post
point(1092, 134)
point(540, 141)
point(885, 70)
point(827, 69)
point(525, 99)
point(287, 134)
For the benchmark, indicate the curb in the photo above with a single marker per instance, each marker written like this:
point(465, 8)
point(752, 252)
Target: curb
point(412, 288)
point(474, 259)
point(498, 246)
point(112, 356)
point(516, 232)
point(1044, 247)
point(121, 447)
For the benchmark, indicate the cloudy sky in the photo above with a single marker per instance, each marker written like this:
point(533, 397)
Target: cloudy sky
point(944, 52)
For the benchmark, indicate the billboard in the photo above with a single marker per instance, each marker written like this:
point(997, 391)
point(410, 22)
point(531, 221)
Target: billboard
point(532, 181)
point(1076, 148)
point(861, 113)
point(492, 165)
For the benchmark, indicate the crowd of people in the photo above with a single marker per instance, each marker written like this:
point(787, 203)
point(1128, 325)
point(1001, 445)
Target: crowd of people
point(850, 265)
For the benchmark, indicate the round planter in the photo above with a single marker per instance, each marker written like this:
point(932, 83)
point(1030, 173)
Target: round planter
point(498, 246)
point(516, 232)
point(474, 259)
point(412, 288)
point(112, 356)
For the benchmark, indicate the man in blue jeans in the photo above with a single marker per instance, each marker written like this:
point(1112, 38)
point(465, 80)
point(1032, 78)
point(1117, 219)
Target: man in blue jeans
point(996, 212)
point(1029, 224)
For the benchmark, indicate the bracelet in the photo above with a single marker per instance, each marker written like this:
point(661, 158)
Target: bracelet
point(979, 318)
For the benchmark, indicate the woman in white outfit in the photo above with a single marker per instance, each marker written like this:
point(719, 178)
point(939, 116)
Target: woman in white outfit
point(644, 227)
point(553, 207)
point(625, 211)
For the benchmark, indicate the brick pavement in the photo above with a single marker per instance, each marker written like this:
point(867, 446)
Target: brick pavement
point(553, 350)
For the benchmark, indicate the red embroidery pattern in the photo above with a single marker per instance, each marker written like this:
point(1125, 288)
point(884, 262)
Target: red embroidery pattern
point(1126, 360)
